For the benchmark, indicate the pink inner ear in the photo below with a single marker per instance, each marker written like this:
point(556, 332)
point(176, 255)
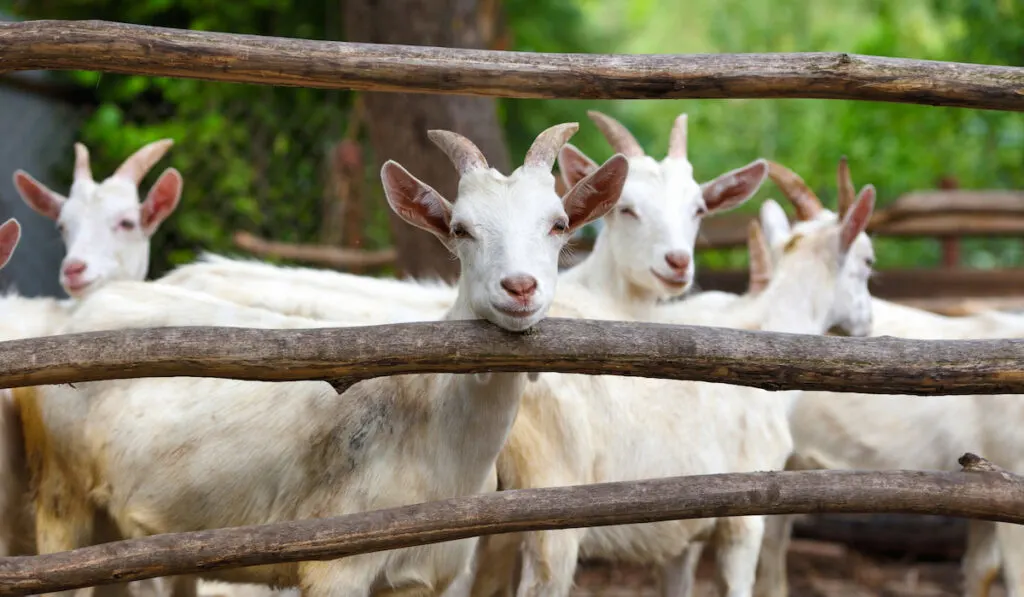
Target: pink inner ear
point(37, 196)
point(162, 200)
point(10, 233)
point(575, 166)
point(596, 194)
point(733, 188)
point(858, 217)
point(414, 201)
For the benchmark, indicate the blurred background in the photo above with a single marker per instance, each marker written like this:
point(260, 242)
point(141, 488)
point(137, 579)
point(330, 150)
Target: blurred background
point(295, 170)
point(300, 165)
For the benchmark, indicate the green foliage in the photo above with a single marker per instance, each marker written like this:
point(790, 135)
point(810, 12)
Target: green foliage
point(896, 147)
point(251, 155)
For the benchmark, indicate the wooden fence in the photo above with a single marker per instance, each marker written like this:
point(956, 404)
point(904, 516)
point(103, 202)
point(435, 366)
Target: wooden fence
point(344, 356)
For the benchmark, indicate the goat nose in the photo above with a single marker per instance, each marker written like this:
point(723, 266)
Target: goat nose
point(521, 286)
point(678, 260)
point(74, 268)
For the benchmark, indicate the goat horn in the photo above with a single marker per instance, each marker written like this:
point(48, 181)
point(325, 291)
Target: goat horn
point(846, 189)
point(82, 169)
point(140, 162)
point(618, 136)
point(545, 147)
point(796, 190)
point(465, 156)
point(760, 259)
point(677, 138)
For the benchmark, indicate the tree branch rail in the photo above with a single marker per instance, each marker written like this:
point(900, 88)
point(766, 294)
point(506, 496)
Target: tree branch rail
point(156, 51)
point(996, 496)
point(772, 361)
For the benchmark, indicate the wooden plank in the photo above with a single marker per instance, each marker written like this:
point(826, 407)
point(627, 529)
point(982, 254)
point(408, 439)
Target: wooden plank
point(953, 201)
point(768, 360)
point(157, 51)
point(952, 224)
point(904, 284)
point(988, 495)
point(329, 256)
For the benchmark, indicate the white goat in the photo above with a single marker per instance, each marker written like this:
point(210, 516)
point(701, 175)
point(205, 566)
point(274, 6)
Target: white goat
point(386, 442)
point(578, 429)
point(106, 231)
point(644, 253)
point(105, 228)
point(100, 247)
point(870, 431)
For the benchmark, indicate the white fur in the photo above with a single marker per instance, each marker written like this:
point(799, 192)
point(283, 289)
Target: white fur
point(315, 293)
point(879, 432)
point(233, 452)
point(578, 429)
point(89, 221)
point(105, 227)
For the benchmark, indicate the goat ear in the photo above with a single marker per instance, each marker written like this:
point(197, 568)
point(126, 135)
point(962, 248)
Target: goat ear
point(10, 234)
point(597, 193)
point(574, 165)
point(734, 187)
point(161, 200)
point(415, 201)
point(774, 222)
point(37, 196)
point(857, 218)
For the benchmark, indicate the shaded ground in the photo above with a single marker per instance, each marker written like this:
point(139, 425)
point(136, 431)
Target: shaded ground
point(816, 569)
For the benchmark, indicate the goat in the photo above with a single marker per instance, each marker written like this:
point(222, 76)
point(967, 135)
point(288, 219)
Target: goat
point(576, 429)
point(870, 431)
point(99, 249)
point(644, 253)
point(104, 226)
point(385, 442)
point(106, 232)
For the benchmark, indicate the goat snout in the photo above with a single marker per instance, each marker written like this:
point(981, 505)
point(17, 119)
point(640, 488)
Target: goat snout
point(678, 261)
point(74, 268)
point(521, 287)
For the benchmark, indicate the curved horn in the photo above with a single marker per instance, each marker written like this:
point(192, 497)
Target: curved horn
point(465, 156)
point(618, 136)
point(796, 190)
point(677, 138)
point(140, 162)
point(760, 259)
point(545, 147)
point(846, 190)
point(82, 169)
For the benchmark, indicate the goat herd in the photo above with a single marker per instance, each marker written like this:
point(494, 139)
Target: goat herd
point(106, 460)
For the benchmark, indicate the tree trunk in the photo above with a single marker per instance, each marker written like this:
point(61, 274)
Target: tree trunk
point(398, 122)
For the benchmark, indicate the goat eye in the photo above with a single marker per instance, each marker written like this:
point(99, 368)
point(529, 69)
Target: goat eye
point(559, 227)
point(701, 211)
point(60, 229)
point(126, 225)
point(628, 211)
point(870, 261)
point(459, 231)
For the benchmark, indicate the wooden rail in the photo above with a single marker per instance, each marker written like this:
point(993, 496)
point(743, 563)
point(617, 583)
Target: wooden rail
point(772, 361)
point(993, 495)
point(156, 51)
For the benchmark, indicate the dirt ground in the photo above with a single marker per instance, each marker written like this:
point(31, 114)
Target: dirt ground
point(816, 569)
